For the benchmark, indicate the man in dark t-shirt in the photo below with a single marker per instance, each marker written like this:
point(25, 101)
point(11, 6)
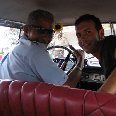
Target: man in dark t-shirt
point(90, 34)
point(107, 57)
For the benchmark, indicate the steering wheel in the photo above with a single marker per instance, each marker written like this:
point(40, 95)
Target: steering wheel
point(63, 63)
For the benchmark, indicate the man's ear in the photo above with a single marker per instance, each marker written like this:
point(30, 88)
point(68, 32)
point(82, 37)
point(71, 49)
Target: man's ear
point(101, 33)
point(25, 29)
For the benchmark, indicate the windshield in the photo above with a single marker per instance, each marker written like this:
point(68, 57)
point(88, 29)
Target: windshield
point(68, 37)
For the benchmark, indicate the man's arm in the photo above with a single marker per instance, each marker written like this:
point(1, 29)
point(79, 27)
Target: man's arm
point(75, 75)
point(110, 85)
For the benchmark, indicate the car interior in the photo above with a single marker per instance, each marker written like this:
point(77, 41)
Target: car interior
point(22, 98)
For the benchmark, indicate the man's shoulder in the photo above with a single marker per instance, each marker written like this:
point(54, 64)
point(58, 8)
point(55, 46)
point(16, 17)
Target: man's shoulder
point(111, 40)
point(110, 37)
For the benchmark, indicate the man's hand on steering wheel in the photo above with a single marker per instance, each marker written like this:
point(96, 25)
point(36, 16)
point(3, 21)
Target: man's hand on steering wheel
point(74, 73)
point(79, 55)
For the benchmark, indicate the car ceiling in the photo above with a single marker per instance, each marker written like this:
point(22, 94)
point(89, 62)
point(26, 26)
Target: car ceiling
point(65, 11)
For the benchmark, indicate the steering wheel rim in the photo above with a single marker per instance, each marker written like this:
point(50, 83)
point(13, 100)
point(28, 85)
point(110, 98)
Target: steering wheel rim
point(67, 57)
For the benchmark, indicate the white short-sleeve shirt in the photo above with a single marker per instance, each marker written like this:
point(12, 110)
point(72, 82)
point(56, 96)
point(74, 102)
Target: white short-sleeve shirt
point(31, 61)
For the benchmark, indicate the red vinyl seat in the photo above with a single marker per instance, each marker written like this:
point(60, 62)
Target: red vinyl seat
point(19, 98)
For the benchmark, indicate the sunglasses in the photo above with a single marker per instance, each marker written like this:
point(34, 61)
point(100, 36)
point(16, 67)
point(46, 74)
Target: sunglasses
point(42, 30)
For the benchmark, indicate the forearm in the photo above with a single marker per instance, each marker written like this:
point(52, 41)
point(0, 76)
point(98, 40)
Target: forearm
point(75, 75)
point(110, 85)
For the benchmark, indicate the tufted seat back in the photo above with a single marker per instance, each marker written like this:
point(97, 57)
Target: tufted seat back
point(18, 98)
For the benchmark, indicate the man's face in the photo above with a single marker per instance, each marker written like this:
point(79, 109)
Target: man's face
point(88, 36)
point(41, 32)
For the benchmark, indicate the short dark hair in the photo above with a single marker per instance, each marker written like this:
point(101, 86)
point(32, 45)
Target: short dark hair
point(88, 17)
point(39, 14)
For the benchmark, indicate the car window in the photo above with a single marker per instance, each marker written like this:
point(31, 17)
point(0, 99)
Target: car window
point(8, 39)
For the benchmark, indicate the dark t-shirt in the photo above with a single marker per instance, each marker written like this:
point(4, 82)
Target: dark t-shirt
point(107, 57)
